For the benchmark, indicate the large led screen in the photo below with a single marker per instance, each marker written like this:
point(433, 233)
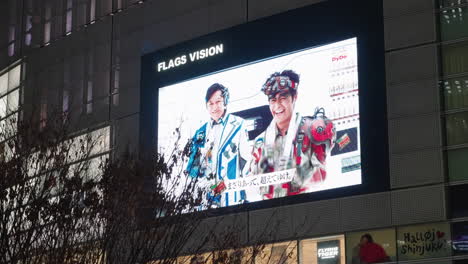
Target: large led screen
point(282, 126)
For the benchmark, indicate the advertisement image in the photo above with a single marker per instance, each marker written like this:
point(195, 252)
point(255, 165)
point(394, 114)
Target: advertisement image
point(278, 127)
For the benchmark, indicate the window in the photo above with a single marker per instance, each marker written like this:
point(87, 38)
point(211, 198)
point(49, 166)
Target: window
point(9, 91)
point(281, 253)
point(90, 83)
point(3, 106)
point(457, 160)
point(47, 22)
point(385, 238)
point(117, 4)
point(92, 11)
point(43, 114)
point(455, 93)
point(28, 23)
point(457, 198)
point(116, 73)
point(65, 101)
point(11, 40)
point(89, 104)
point(115, 90)
point(82, 10)
point(13, 102)
point(68, 16)
point(3, 84)
point(323, 250)
point(12, 27)
point(460, 238)
point(451, 3)
point(423, 241)
point(66, 87)
point(457, 128)
point(454, 22)
point(455, 58)
point(14, 76)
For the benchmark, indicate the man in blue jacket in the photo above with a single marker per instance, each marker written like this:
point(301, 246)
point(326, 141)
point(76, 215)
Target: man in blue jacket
point(219, 150)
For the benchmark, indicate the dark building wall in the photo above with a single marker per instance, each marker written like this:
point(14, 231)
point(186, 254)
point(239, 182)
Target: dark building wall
point(108, 54)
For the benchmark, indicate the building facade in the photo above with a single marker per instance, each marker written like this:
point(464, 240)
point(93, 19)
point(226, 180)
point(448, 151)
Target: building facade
point(83, 57)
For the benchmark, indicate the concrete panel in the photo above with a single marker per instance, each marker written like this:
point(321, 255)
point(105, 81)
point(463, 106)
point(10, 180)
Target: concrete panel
point(413, 98)
point(229, 231)
point(126, 134)
point(158, 11)
point(414, 133)
point(4, 59)
point(182, 28)
point(129, 90)
point(128, 47)
point(289, 222)
point(418, 205)
point(412, 64)
point(367, 211)
point(271, 224)
point(416, 168)
point(316, 218)
point(410, 30)
point(399, 7)
point(79, 42)
point(264, 8)
point(227, 13)
point(132, 19)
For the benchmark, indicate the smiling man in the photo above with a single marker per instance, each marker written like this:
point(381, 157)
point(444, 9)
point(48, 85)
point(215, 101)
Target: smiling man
point(218, 150)
point(291, 141)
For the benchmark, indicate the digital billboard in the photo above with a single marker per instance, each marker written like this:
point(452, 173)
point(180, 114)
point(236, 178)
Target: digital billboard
point(279, 127)
point(287, 108)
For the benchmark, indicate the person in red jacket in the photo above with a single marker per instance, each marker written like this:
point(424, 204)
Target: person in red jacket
point(371, 252)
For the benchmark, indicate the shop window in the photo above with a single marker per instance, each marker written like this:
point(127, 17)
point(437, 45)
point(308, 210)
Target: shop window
point(423, 241)
point(373, 246)
point(326, 250)
point(457, 160)
point(457, 199)
point(455, 58)
point(281, 253)
point(457, 128)
point(455, 92)
point(460, 238)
